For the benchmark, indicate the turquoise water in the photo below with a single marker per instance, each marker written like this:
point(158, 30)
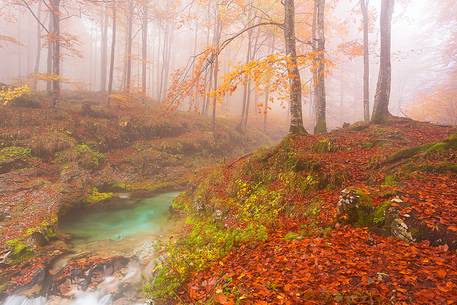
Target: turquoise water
point(148, 216)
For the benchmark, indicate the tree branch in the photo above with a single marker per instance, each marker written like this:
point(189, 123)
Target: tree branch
point(35, 16)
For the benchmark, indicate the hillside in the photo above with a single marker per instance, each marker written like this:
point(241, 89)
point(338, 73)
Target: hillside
point(363, 215)
point(80, 155)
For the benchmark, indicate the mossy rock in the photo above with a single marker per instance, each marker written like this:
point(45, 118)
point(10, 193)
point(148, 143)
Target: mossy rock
point(19, 250)
point(95, 196)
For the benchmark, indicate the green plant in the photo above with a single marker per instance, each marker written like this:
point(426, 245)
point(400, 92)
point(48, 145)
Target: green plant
point(324, 146)
point(88, 157)
point(206, 242)
point(14, 153)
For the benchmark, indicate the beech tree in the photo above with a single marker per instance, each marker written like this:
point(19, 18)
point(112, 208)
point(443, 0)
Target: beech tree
point(366, 61)
point(296, 116)
point(319, 69)
point(381, 102)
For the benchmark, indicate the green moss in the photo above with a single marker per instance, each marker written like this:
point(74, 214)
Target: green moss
point(390, 181)
point(293, 236)
point(95, 196)
point(46, 228)
point(407, 153)
point(19, 250)
point(379, 213)
point(14, 153)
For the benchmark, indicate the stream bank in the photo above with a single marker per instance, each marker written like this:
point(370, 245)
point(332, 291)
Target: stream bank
point(53, 161)
point(109, 250)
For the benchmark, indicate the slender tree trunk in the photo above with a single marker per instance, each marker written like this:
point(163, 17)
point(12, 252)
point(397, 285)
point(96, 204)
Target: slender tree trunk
point(246, 85)
point(206, 83)
point(36, 69)
point(144, 52)
point(50, 50)
point(129, 49)
point(104, 50)
point(366, 62)
point(319, 79)
point(55, 6)
point(381, 101)
point(195, 99)
point(168, 60)
point(296, 117)
point(113, 48)
point(252, 55)
point(217, 38)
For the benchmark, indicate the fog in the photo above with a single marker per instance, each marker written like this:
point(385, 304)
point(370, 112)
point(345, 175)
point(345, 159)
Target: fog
point(422, 33)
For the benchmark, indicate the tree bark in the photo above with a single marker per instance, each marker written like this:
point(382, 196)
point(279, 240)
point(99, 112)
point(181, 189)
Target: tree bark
point(113, 47)
point(381, 101)
point(246, 85)
point(104, 50)
point(296, 117)
point(319, 79)
point(36, 69)
point(49, 58)
point(217, 37)
point(366, 62)
point(144, 55)
point(128, 75)
point(55, 6)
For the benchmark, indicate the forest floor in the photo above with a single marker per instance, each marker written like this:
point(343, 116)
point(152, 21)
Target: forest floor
point(75, 156)
point(362, 215)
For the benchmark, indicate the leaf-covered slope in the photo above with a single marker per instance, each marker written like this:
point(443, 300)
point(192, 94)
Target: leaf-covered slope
point(348, 221)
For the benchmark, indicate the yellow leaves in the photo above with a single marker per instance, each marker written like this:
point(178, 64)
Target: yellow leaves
point(8, 94)
point(270, 71)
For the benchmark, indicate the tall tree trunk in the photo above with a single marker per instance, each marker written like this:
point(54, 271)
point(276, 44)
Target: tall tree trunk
point(246, 85)
point(128, 75)
point(252, 55)
point(296, 117)
point(319, 79)
point(381, 101)
point(55, 6)
point(49, 58)
point(36, 69)
point(217, 37)
point(206, 83)
point(104, 50)
point(144, 53)
point(366, 62)
point(195, 99)
point(113, 47)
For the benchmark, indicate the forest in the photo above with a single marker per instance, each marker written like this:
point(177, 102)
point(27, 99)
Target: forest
point(234, 152)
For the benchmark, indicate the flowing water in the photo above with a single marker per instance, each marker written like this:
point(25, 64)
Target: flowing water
point(128, 231)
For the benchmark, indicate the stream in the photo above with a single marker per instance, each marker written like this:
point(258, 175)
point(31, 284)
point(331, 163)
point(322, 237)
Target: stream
point(129, 232)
